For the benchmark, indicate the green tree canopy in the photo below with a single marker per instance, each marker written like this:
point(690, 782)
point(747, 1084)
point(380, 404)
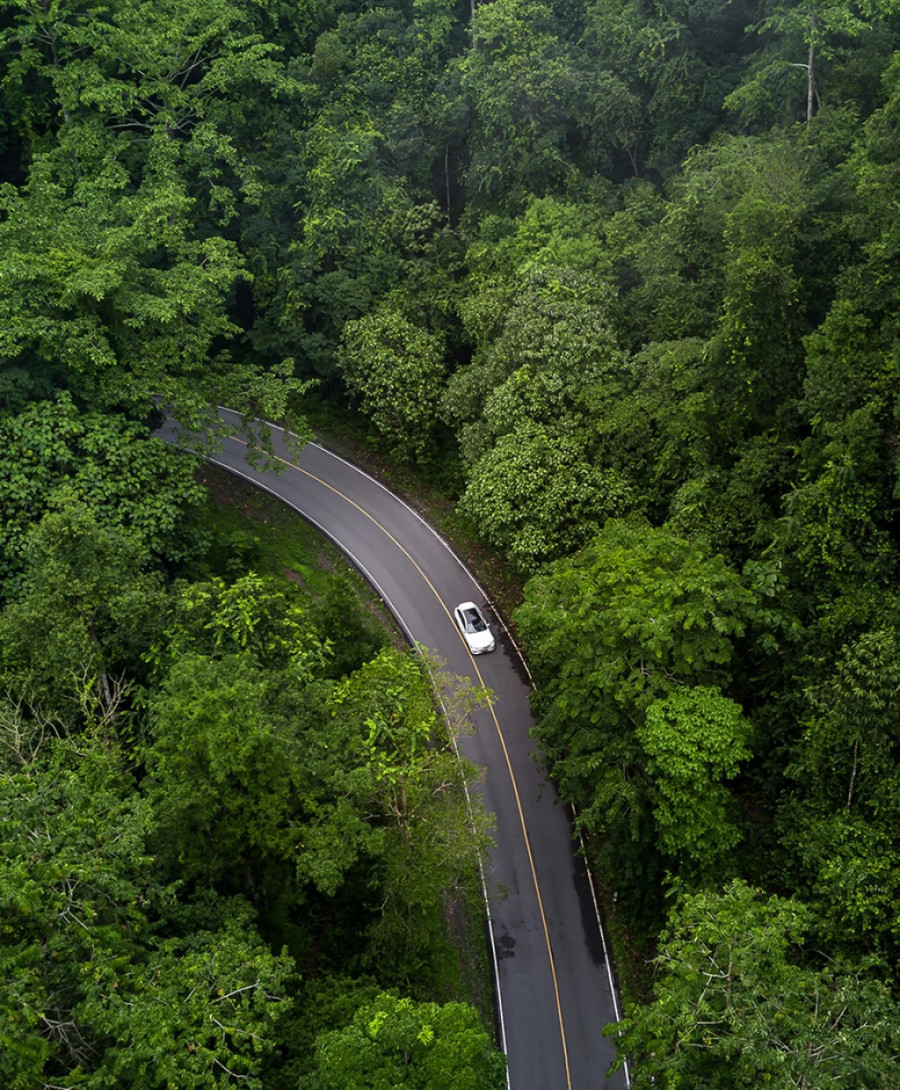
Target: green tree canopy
point(521, 83)
point(396, 1043)
point(635, 621)
point(52, 453)
point(71, 641)
point(734, 1006)
point(536, 496)
point(695, 739)
point(395, 368)
point(99, 991)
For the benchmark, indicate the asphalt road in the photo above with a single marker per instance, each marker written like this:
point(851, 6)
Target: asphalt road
point(554, 982)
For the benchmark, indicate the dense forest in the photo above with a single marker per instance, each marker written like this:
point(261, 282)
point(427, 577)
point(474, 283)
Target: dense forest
point(620, 277)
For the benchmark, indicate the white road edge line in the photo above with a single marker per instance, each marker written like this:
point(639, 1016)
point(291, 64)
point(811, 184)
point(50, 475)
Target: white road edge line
point(609, 972)
point(484, 891)
point(415, 514)
point(373, 582)
point(470, 575)
point(521, 657)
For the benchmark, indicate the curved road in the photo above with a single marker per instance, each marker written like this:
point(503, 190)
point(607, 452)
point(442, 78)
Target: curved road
point(554, 981)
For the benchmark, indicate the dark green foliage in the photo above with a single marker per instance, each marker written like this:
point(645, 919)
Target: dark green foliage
point(659, 73)
point(634, 630)
point(626, 274)
point(52, 453)
point(71, 641)
point(94, 983)
point(354, 638)
point(734, 1005)
point(522, 86)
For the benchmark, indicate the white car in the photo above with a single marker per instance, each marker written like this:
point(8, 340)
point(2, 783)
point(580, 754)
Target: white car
point(475, 629)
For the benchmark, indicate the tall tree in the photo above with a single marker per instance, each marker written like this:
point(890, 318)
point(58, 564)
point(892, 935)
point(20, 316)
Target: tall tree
point(695, 739)
point(99, 991)
point(637, 615)
point(804, 35)
point(734, 1006)
point(52, 453)
point(395, 368)
point(71, 641)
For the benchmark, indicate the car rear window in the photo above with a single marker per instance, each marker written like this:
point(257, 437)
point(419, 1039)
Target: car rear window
point(474, 623)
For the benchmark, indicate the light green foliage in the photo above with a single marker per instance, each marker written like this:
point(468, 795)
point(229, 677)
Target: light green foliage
point(342, 179)
point(107, 284)
point(214, 998)
point(73, 846)
point(167, 71)
point(395, 368)
point(542, 237)
point(268, 618)
point(735, 1007)
point(405, 767)
point(846, 864)
point(546, 359)
point(389, 702)
point(263, 778)
point(545, 350)
point(636, 613)
point(113, 276)
point(394, 1043)
point(695, 739)
point(551, 232)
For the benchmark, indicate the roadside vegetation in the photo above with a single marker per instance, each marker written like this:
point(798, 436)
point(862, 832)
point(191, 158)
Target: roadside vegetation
point(232, 817)
point(619, 279)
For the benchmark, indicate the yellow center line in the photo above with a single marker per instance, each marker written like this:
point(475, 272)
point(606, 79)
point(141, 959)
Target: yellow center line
point(537, 889)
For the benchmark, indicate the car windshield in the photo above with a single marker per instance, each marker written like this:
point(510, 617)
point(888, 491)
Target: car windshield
point(474, 622)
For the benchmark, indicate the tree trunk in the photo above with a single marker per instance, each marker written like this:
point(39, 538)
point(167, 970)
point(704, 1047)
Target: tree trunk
point(810, 83)
point(447, 176)
point(853, 773)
